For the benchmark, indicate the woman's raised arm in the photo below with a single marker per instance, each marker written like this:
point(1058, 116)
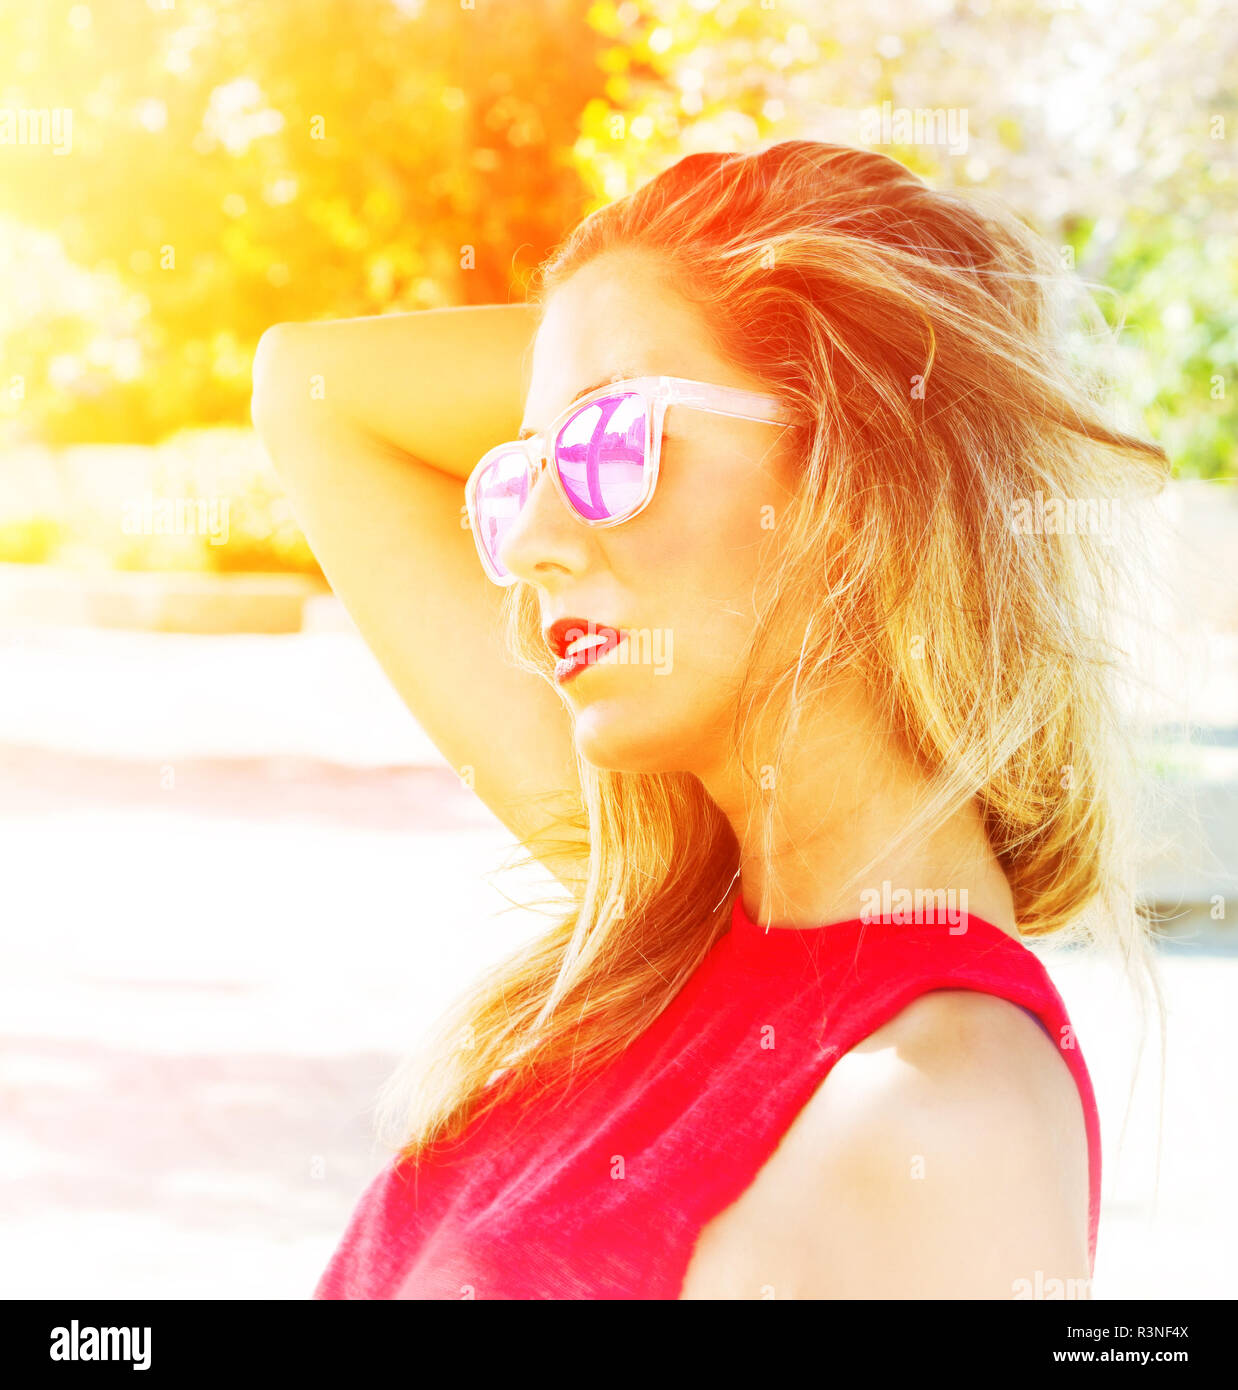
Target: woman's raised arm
point(373, 424)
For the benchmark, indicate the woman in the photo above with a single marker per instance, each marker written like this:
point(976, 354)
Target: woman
point(808, 718)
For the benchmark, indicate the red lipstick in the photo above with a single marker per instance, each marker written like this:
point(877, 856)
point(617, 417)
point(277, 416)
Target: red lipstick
point(578, 643)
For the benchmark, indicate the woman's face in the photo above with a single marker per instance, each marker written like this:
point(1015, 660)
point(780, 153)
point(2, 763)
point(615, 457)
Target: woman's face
point(679, 577)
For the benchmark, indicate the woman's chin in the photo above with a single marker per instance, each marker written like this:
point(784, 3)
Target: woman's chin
point(615, 737)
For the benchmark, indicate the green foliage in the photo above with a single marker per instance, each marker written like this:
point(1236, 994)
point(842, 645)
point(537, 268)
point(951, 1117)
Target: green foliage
point(234, 165)
point(1112, 128)
point(1180, 302)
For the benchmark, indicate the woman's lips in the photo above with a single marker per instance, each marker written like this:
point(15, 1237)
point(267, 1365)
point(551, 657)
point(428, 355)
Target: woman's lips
point(587, 650)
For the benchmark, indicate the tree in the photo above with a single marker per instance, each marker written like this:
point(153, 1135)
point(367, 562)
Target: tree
point(233, 165)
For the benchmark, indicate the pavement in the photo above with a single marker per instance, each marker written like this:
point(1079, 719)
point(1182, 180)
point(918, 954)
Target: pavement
point(240, 883)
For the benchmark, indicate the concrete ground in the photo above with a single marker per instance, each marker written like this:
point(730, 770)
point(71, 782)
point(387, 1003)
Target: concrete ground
point(239, 883)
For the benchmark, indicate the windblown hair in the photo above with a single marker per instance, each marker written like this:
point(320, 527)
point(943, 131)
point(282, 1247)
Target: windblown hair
point(928, 341)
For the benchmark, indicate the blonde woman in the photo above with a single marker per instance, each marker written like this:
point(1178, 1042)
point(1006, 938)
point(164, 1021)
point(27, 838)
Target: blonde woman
point(714, 566)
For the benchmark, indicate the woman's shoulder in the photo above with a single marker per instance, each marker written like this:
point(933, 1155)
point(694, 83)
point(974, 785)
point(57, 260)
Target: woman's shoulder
point(943, 1156)
point(948, 1054)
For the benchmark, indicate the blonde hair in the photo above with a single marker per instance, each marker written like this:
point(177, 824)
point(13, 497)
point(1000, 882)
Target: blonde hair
point(925, 338)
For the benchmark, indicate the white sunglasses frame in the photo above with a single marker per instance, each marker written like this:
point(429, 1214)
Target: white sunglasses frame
point(657, 392)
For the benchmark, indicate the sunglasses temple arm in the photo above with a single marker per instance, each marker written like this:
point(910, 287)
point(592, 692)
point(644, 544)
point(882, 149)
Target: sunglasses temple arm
point(756, 406)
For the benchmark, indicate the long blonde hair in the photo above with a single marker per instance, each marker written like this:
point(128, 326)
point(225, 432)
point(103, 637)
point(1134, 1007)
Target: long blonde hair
point(926, 338)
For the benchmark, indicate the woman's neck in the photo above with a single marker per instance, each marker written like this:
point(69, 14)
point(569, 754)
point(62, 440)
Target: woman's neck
point(844, 792)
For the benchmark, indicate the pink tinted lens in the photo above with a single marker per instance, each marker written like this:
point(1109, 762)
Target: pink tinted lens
point(601, 457)
point(502, 490)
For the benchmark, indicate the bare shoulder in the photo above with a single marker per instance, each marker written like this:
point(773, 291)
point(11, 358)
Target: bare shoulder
point(952, 1046)
point(943, 1157)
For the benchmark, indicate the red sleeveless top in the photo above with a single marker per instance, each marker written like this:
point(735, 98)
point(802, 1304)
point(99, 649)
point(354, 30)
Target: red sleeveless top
point(604, 1194)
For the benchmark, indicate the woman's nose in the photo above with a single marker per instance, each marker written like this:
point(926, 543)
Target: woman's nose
point(546, 536)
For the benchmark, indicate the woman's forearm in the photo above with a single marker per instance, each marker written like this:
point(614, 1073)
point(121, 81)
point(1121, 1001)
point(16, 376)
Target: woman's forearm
point(443, 385)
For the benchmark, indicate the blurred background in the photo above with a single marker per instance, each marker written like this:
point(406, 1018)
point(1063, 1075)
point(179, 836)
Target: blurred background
point(238, 880)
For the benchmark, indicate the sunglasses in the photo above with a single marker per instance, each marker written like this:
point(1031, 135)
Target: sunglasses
point(604, 459)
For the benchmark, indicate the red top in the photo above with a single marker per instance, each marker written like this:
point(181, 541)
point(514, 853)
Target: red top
point(604, 1197)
